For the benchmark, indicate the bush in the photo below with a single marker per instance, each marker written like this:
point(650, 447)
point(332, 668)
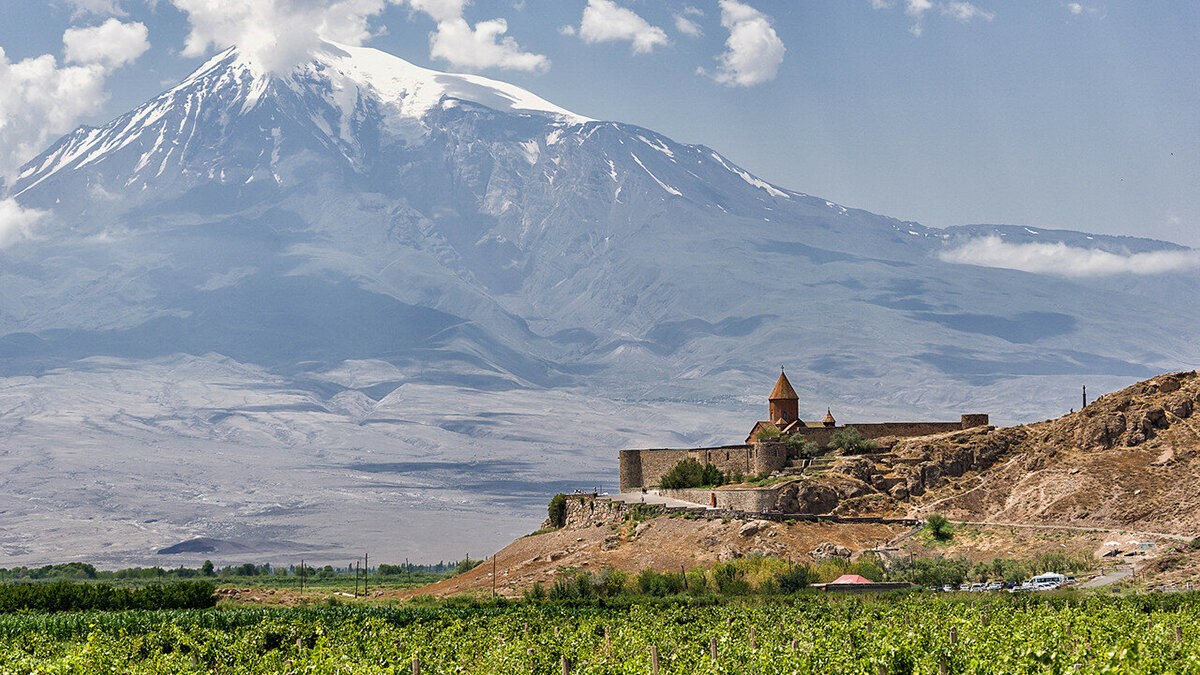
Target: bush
point(940, 527)
point(850, 440)
point(558, 510)
point(466, 565)
point(931, 572)
point(767, 433)
point(612, 581)
point(1195, 543)
point(64, 596)
point(535, 593)
point(799, 445)
point(689, 473)
point(795, 579)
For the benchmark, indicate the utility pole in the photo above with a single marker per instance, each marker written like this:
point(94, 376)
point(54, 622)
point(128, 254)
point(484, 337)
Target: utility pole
point(302, 575)
point(355, 579)
point(493, 576)
point(366, 571)
point(1084, 396)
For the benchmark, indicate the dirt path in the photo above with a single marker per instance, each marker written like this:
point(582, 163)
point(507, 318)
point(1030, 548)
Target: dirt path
point(1079, 528)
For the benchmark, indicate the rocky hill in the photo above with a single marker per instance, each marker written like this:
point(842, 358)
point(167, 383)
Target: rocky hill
point(1129, 460)
point(1125, 468)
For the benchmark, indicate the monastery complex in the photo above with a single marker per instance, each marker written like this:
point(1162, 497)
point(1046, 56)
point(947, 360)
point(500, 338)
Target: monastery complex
point(767, 449)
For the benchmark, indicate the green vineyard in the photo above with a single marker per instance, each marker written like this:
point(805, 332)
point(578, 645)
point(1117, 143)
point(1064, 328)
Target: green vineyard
point(802, 634)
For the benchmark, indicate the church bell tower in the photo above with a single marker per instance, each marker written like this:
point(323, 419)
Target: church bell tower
point(784, 403)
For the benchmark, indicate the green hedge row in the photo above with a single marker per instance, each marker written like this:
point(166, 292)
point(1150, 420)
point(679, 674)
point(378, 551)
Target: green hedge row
point(64, 596)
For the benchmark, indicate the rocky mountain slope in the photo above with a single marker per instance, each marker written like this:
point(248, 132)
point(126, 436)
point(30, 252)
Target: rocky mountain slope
point(1129, 460)
point(325, 296)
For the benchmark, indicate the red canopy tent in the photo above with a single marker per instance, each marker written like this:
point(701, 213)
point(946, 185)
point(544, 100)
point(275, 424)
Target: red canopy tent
point(851, 579)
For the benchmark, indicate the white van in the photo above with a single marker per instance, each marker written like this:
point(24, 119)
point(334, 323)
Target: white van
point(1045, 582)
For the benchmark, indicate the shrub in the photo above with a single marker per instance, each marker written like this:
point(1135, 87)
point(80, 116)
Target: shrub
point(689, 473)
point(850, 440)
point(536, 592)
point(612, 581)
point(1195, 543)
point(767, 433)
point(466, 565)
point(697, 581)
point(64, 596)
point(799, 445)
point(940, 527)
point(795, 579)
point(563, 589)
point(558, 510)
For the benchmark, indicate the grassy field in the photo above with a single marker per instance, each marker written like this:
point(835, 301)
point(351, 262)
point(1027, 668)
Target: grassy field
point(806, 633)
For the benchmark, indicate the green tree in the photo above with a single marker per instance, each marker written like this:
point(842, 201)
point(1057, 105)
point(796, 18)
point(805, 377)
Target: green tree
point(558, 510)
point(207, 569)
point(940, 527)
point(850, 440)
point(689, 473)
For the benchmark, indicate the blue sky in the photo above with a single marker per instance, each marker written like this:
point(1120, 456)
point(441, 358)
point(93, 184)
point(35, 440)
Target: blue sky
point(1042, 113)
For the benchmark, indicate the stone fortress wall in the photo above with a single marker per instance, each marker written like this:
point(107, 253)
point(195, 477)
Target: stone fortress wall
point(644, 468)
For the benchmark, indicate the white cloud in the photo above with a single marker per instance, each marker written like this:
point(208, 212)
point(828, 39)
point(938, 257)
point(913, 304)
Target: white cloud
point(484, 46)
point(1080, 9)
point(41, 101)
point(112, 43)
point(16, 222)
point(606, 21)
point(276, 34)
point(100, 7)
point(965, 12)
point(687, 26)
point(1069, 261)
point(566, 30)
point(753, 51)
point(440, 10)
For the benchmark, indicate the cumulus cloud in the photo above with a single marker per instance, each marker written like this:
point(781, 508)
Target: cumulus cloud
point(684, 24)
point(112, 43)
point(484, 46)
point(606, 21)
point(16, 222)
point(1068, 261)
point(753, 51)
point(965, 12)
point(276, 35)
point(960, 10)
point(101, 7)
point(43, 100)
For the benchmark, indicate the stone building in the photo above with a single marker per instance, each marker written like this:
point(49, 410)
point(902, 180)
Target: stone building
point(764, 449)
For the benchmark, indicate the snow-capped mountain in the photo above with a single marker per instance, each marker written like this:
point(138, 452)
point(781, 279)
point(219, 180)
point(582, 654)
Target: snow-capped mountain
point(401, 277)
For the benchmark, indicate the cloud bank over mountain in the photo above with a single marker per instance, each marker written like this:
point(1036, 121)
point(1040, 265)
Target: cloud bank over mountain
point(1060, 259)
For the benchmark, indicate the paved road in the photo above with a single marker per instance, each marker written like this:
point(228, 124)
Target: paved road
point(1110, 578)
point(652, 497)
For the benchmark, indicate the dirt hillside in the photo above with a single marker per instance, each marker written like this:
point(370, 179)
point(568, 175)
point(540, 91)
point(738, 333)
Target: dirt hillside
point(1130, 459)
point(663, 543)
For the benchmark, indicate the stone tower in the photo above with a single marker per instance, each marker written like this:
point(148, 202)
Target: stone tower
point(784, 403)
